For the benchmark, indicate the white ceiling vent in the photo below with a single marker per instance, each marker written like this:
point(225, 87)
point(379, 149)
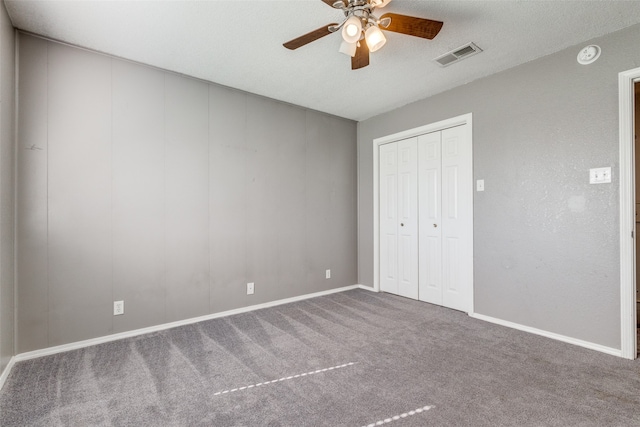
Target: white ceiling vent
point(458, 54)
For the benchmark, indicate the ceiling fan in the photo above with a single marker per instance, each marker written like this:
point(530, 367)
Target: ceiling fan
point(361, 29)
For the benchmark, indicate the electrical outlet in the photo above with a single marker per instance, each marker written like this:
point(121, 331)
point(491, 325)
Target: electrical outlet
point(250, 288)
point(118, 308)
point(327, 274)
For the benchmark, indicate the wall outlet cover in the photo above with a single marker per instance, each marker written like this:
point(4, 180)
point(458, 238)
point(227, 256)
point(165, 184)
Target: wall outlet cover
point(327, 274)
point(118, 308)
point(251, 288)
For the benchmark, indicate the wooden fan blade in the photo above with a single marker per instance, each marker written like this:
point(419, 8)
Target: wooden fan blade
point(361, 58)
point(419, 27)
point(308, 38)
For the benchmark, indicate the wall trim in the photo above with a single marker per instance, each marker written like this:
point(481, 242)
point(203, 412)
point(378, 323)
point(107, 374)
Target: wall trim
point(421, 130)
point(547, 334)
point(7, 371)
point(114, 337)
point(628, 319)
point(136, 332)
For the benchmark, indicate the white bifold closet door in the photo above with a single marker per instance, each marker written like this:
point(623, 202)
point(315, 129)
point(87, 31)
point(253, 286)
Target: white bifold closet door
point(446, 218)
point(398, 185)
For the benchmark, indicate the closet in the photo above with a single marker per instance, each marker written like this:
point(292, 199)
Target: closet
point(426, 217)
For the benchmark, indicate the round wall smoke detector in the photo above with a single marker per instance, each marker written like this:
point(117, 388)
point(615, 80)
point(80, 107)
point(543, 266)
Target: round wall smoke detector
point(589, 54)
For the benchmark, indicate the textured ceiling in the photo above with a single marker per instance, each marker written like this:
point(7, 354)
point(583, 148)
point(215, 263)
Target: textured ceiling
point(239, 43)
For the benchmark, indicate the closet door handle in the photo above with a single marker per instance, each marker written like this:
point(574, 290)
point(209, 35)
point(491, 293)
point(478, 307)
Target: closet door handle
point(435, 225)
point(402, 224)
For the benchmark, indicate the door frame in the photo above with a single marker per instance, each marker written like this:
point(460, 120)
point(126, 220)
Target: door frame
point(465, 119)
point(628, 321)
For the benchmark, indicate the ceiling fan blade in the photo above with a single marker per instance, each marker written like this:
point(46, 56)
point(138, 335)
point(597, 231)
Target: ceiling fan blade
point(309, 37)
point(361, 58)
point(419, 27)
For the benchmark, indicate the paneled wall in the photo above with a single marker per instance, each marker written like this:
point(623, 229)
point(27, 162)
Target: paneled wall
point(7, 204)
point(168, 193)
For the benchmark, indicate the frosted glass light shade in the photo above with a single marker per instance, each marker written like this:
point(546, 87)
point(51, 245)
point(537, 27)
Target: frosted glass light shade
point(352, 29)
point(348, 48)
point(375, 39)
point(379, 3)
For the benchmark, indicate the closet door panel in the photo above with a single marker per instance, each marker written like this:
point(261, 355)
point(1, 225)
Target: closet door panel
point(457, 218)
point(408, 218)
point(388, 217)
point(430, 229)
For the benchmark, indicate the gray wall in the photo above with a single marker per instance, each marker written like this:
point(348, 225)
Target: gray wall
point(7, 205)
point(168, 193)
point(546, 244)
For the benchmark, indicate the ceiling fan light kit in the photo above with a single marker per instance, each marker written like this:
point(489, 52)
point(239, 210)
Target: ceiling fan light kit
point(348, 48)
point(380, 3)
point(352, 29)
point(362, 30)
point(375, 39)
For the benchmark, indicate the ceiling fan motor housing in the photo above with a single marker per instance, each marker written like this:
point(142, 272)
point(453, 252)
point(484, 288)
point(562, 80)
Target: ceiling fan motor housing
point(360, 23)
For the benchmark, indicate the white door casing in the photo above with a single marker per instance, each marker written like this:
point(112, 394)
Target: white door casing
point(628, 315)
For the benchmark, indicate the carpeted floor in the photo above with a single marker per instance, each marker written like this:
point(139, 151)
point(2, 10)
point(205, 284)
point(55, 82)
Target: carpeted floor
point(350, 359)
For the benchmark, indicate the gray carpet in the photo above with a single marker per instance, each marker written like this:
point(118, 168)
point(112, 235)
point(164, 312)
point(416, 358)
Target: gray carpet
point(350, 359)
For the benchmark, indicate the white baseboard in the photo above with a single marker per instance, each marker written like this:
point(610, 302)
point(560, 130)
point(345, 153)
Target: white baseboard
point(552, 335)
point(7, 371)
point(367, 288)
point(114, 337)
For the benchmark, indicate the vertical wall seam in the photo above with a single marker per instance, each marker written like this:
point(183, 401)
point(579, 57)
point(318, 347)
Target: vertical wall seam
point(16, 74)
point(209, 194)
point(358, 234)
point(164, 191)
point(48, 287)
point(111, 219)
point(245, 142)
point(307, 251)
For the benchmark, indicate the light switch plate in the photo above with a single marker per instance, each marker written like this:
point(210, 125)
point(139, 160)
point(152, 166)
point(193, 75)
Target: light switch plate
point(251, 288)
point(600, 175)
point(480, 185)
